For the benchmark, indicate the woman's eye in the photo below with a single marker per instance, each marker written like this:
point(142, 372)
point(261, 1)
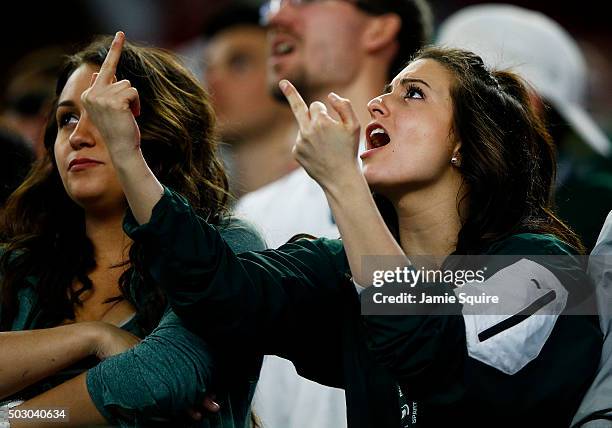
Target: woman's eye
point(67, 119)
point(414, 92)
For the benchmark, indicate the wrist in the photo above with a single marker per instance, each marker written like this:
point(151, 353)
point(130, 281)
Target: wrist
point(125, 155)
point(345, 182)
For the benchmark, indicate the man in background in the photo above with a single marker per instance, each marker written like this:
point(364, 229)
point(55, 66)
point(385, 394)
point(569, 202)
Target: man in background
point(258, 129)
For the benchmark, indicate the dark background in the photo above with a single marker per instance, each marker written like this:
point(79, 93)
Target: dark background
point(27, 25)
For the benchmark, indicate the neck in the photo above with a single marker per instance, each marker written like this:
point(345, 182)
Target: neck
point(272, 149)
point(110, 243)
point(429, 221)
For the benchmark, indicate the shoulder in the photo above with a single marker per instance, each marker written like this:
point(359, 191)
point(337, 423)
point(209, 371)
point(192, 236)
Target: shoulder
point(307, 257)
point(15, 257)
point(327, 245)
point(241, 235)
point(334, 247)
point(531, 244)
point(328, 250)
point(539, 252)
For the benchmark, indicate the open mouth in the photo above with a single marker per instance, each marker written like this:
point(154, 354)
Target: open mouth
point(376, 136)
point(283, 48)
point(282, 45)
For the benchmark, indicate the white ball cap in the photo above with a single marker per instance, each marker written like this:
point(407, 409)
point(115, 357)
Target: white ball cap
point(534, 46)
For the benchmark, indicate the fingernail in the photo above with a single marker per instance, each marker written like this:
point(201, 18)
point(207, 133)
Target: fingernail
point(283, 84)
point(334, 95)
point(214, 403)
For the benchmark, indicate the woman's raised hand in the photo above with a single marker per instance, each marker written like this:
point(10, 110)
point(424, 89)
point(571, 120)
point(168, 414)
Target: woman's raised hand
point(113, 106)
point(325, 147)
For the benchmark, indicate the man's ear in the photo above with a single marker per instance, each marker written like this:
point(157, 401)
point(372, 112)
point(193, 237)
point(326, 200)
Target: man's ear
point(381, 31)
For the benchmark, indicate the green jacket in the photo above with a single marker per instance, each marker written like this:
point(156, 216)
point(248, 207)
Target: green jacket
point(298, 302)
point(155, 382)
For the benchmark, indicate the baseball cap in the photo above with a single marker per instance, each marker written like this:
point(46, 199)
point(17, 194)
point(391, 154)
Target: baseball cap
point(538, 49)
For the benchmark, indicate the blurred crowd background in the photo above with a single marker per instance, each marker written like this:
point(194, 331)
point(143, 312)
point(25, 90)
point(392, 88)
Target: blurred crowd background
point(36, 32)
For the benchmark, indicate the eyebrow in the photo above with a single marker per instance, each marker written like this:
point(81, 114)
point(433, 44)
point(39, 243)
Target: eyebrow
point(403, 82)
point(66, 103)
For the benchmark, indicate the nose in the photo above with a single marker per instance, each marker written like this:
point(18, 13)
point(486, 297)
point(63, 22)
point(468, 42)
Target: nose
point(377, 107)
point(82, 135)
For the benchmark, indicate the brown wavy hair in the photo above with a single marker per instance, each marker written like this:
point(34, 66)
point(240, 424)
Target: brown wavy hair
point(44, 229)
point(508, 160)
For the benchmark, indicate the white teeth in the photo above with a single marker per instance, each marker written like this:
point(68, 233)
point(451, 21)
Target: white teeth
point(378, 137)
point(377, 131)
point(283, 48)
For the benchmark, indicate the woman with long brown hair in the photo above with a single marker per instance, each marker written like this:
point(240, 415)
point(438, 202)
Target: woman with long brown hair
point(74, 285)
point(461, 165)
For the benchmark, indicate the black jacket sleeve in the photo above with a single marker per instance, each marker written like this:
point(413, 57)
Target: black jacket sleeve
point(281, 302)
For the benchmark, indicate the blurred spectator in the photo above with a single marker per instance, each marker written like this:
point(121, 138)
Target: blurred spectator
point(16, 157)
point(29, 92)
point(541, 51)
point(259, 129)
point(353, 49)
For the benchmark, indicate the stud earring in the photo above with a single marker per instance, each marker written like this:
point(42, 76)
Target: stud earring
point(455, 161)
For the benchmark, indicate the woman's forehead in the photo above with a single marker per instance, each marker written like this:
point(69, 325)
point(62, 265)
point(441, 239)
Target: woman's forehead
point(424, 68)
point(78, 81)
point(429, 71)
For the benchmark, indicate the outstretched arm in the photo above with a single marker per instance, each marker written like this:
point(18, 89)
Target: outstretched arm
point(286, 302)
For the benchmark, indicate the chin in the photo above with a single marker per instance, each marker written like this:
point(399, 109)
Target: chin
point(374, 178)
point(84, 191)
point(85, 198)
point(387, 186)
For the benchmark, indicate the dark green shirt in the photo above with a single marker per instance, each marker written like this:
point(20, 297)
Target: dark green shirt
point(298, 302)
point(169, 371)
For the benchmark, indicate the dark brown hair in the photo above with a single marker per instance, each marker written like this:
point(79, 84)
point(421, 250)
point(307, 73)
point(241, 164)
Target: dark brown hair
point(415, 31)
point(44, 229)
point(508, 159)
